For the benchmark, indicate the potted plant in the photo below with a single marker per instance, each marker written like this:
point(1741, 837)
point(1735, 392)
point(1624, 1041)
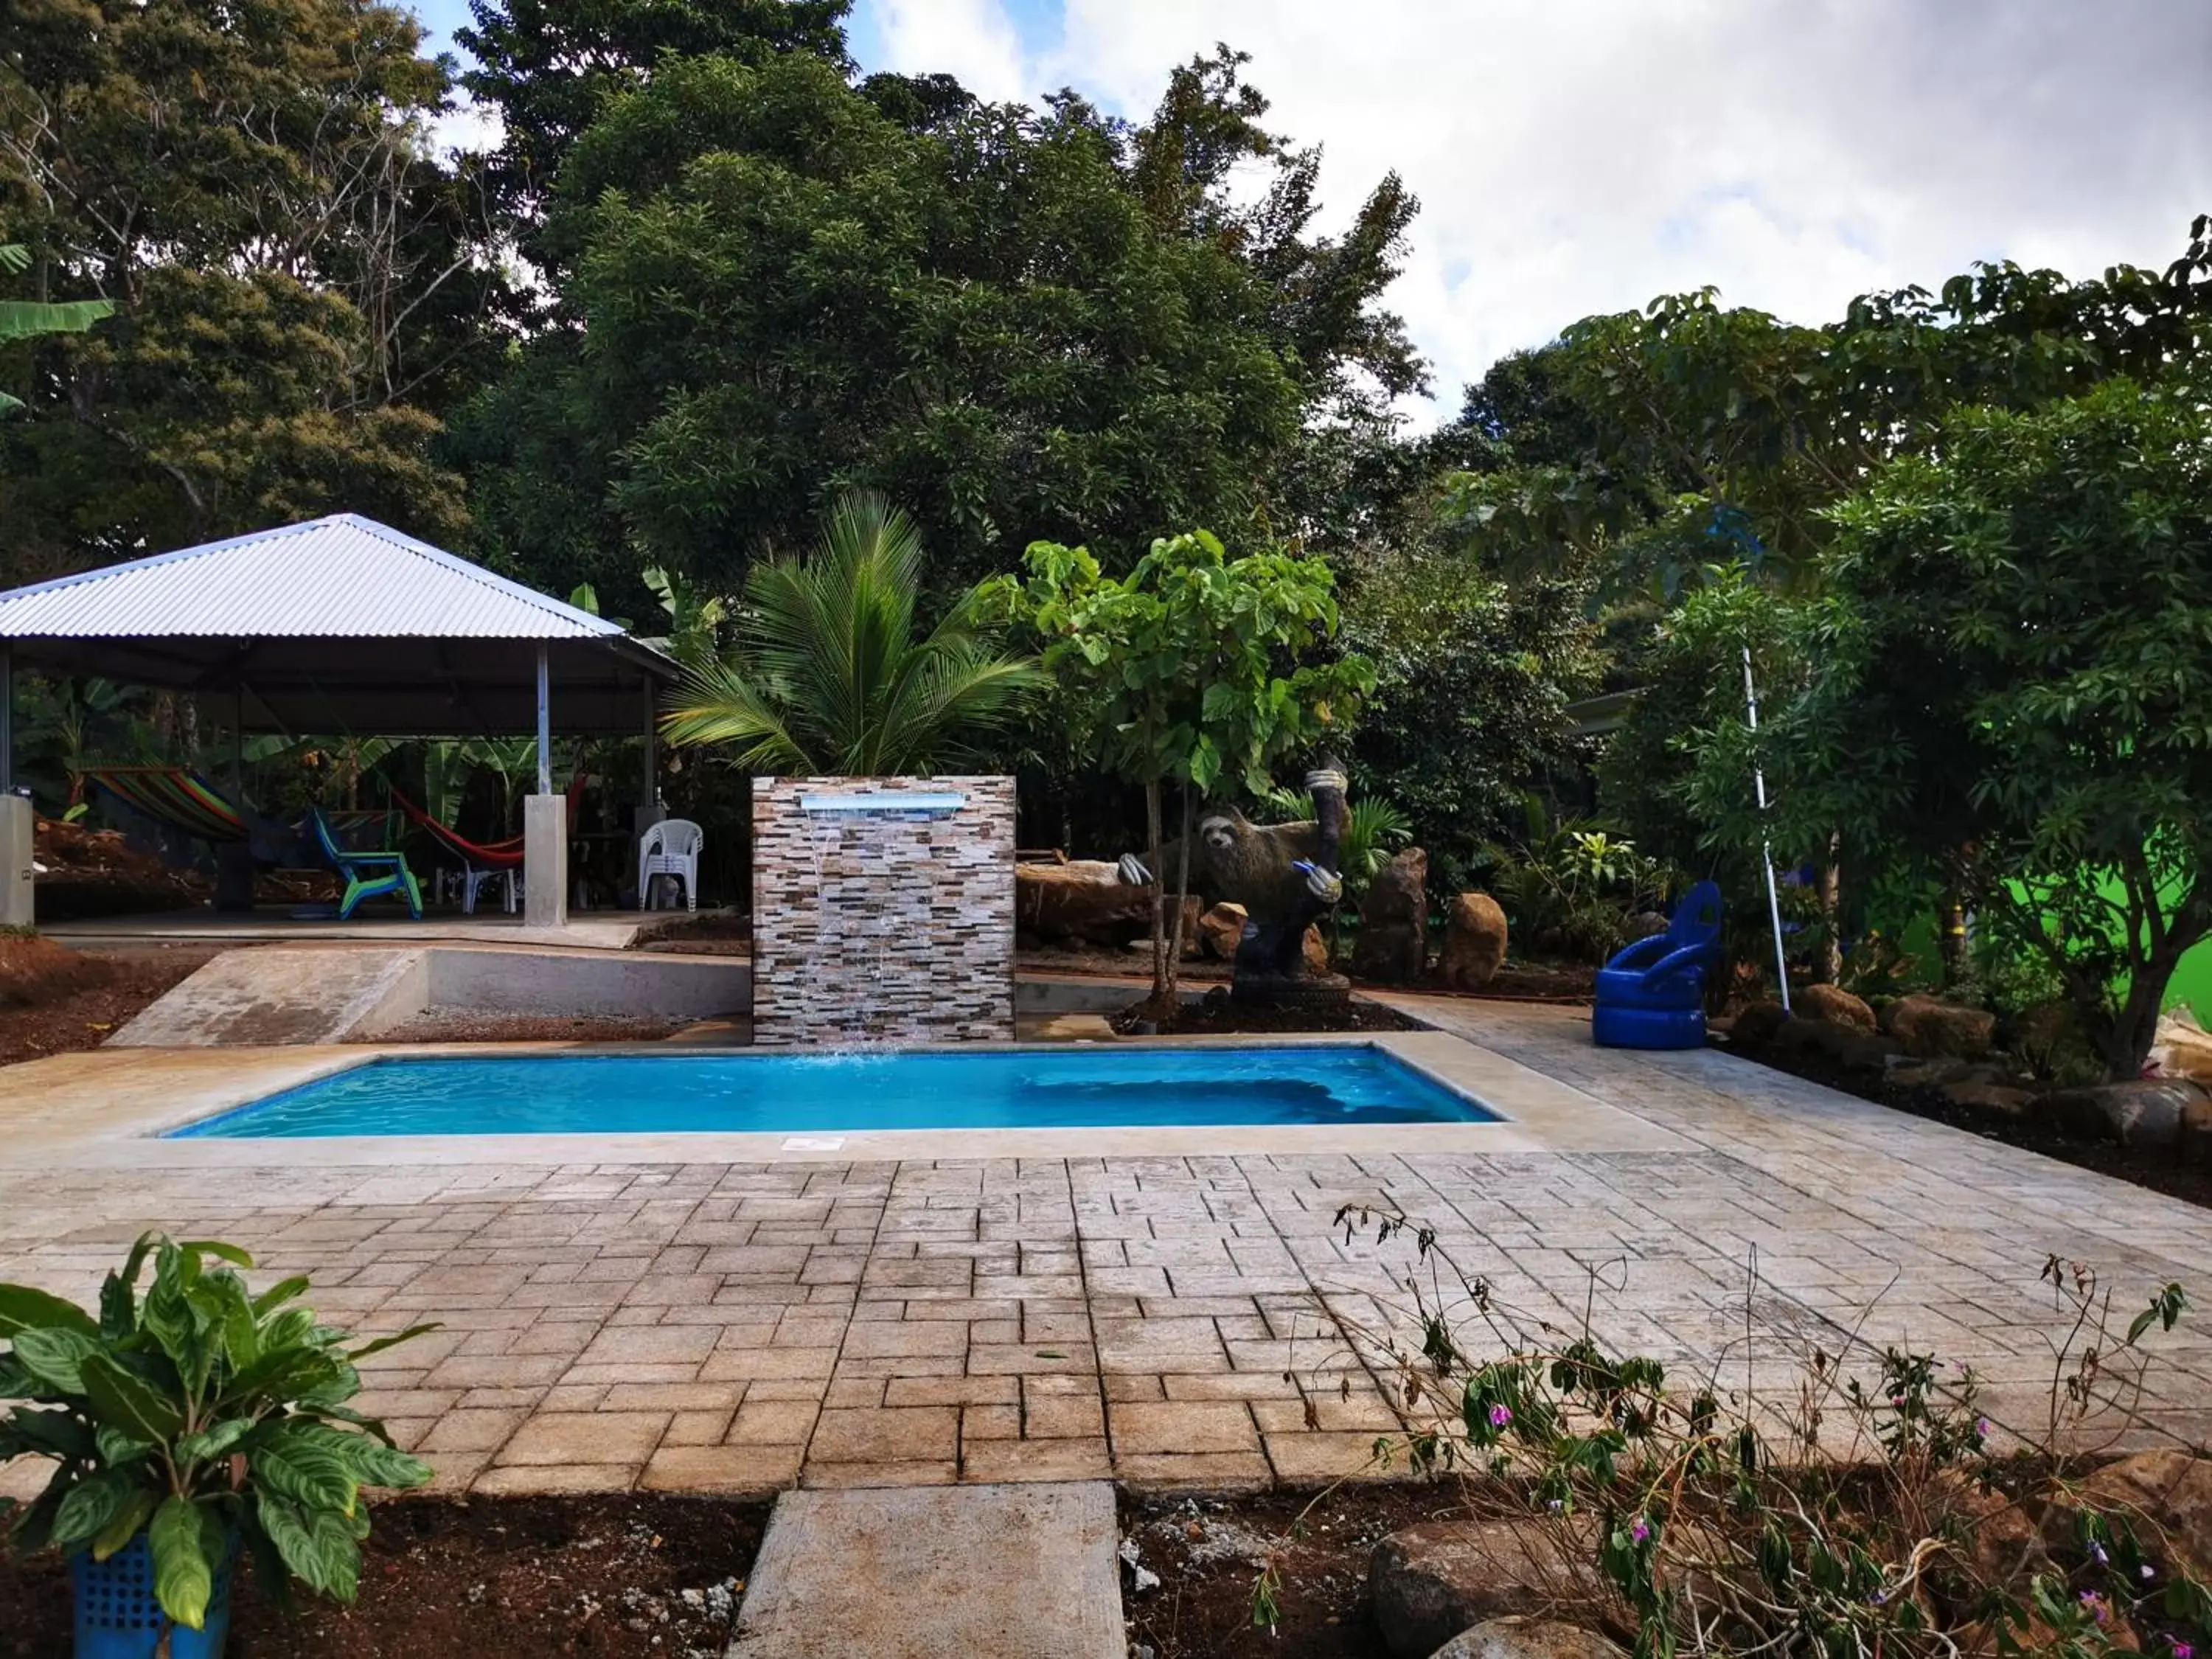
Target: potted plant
point(184, 1424)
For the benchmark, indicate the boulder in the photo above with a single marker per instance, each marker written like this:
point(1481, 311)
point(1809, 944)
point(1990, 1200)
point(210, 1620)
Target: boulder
point(1432, 1580)
point(1219, 929)
point(1757, 1024)
point(1393, 922)
point(1831, 1004)
point(2182, 1048)
point(2149, 1112)
point(1934, 1029)
point(2045, 1035)
point(1474, 942)
point(2165, 1496)
point(1519, 1637)
point(1083, 900)
point(1841, 1045)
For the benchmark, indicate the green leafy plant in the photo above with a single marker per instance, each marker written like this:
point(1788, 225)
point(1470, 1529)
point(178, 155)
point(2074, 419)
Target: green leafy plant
point(828, 676)
point(200, 1414)
point(1373, 829)
point(1571, 886)
point(1174, 673)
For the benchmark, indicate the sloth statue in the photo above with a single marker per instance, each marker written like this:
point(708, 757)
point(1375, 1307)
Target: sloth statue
point(1286, 877)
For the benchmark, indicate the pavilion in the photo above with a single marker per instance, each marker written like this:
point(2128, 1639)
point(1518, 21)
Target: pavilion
point(345, 626)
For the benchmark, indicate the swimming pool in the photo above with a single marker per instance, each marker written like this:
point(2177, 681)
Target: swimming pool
point(814, 1093)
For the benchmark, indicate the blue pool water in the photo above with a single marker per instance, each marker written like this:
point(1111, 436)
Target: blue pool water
point(599, 1094)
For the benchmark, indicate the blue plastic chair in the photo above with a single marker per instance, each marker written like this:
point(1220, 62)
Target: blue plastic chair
point(366, 875)
point(1652, 994)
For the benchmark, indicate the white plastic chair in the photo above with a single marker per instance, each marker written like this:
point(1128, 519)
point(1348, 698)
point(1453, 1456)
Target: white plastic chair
point(669, 848)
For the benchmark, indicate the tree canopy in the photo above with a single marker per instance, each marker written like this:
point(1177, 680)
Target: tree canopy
point(297, 286)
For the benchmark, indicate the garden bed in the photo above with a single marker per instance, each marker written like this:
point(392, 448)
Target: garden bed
point(104, 990)
point(1209, 1553)
point(620, 1577)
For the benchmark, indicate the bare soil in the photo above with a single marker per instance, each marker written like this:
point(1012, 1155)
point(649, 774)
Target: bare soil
point(715, 933)
point(1209, 1554)
point(54, 1000)
point(2159, 1170)
point(631, 1576)
point(1218, 1017)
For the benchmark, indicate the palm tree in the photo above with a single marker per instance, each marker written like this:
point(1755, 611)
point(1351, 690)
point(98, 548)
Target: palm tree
point(826, 678)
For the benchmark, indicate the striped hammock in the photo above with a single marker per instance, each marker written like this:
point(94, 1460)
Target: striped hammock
point(176, 796)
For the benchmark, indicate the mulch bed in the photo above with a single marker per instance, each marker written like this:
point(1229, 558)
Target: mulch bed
point(1217, 1017)
point(2159, 1170)
point(617, 1576)
point(81, 1006)
point(1209, 1553)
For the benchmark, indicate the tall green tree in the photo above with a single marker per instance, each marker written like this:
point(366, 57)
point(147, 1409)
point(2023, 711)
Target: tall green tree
point(1023, 323)
point(2004, 690)
point(1195, 669)
point(298, 283)
point(829, 674)
point(547, 66)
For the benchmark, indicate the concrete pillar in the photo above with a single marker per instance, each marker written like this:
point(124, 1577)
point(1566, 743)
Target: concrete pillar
point(545, 861)
point(15, 824)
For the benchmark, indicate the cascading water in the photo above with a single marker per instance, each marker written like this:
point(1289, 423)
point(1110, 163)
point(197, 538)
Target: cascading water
point(838, 826)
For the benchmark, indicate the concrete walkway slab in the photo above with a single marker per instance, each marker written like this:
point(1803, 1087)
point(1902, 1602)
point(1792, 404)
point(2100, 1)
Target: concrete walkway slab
point(938, 1572)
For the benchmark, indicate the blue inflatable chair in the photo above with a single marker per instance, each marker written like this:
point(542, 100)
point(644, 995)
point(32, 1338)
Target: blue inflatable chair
point(1652, 995)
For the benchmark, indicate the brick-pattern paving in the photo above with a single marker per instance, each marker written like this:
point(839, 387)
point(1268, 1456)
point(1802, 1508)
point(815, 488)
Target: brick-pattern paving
point(1185, 1320)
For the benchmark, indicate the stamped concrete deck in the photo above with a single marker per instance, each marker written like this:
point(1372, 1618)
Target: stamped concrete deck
point(729, 1314)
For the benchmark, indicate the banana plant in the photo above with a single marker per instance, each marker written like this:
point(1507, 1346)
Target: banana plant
point(201, 1414)
point(24, 319)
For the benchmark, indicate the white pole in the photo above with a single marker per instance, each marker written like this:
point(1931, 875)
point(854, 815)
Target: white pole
point(544, 724)
point(1766, 849)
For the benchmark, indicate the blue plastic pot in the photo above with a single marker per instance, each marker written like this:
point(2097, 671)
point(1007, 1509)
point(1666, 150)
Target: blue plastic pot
point(118, 1618)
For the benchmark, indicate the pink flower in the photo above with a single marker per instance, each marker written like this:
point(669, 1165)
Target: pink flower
point(1500, 1417)
point(1639, 1530)
point(1981, 1428)
point(2183, 1651)
point(2094, 1605)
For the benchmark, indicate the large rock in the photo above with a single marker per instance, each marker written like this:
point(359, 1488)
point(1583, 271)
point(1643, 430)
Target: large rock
point(1518, 1638)
point(1983, 1094)
point(1841, 1045)
point(1474, 942)
point(2150, 1112)
point(1219, 929)
point(2165, 1496)
point(1756, 1026)
point(1935, 1029)
point(1833, 1004)
point(1393, 922)
point(1431, 1581)
point(1083, 900)
point(2182, 1048)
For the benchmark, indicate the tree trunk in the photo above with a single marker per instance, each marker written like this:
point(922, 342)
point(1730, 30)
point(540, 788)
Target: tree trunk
point(1951, 942)
point(1831, 914)
point(1182, 901)
point(1159, 888)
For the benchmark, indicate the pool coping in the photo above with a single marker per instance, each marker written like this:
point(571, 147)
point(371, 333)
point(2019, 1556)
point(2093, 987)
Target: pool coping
point(108, 1108)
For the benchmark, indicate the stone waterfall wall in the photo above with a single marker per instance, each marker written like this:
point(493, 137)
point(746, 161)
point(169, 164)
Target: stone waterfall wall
point(887, 925)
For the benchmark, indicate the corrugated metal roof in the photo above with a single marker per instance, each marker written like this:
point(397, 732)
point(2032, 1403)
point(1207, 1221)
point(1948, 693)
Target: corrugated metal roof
point(343, 577)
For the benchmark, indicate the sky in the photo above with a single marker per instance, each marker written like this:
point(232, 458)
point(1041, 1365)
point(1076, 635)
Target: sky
point(1574, 156)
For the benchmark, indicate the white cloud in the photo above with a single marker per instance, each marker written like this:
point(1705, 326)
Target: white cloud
point(1579, 157)
point(971, 40)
